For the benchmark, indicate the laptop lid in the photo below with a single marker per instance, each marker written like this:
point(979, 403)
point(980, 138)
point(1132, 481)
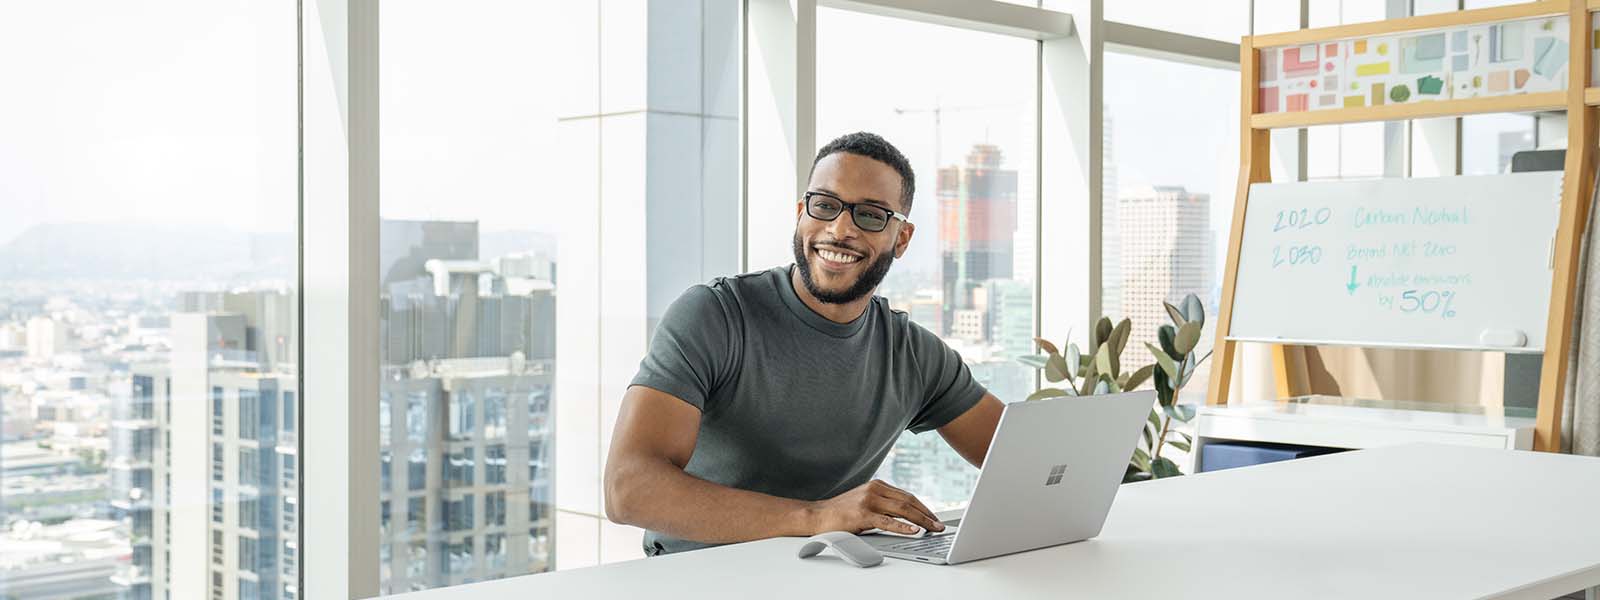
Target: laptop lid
point(1051, 473)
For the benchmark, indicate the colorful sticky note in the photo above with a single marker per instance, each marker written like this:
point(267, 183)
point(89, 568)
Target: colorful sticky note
point(1550, 55)
point(1520, 78)
point(1330, 82)
point(1297, 63)
point(1361, 46)
point(1269, 65)
point(1377, 94)
point(1327, 99)
point(1354, 101)
point(1330, 50)
point(1458, 62)
point(1499, 81)
point(1430, 86)
point(1383, 49)
point(1458, 41)
point(1269, 99)
point(1296, 102)
point(1370, 69)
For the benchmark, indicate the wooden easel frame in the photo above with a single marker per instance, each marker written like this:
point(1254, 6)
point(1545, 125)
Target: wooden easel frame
point(1578, 100)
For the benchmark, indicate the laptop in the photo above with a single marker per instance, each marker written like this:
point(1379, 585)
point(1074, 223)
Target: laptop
point(1052, 470)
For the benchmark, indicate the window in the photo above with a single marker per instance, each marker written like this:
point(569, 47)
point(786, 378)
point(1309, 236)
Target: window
point(247, 554)
point(248, 508)
point(249, 415)
point(416, 515)
point(1166, 206)
point(248, 467)
point(494, 464)
point(216, 411)
point(968, 274)
point(459, 467)
point(494, 509)
point(494, 413)
point(216, 461)
point(288, 412)
point(458, 514)
point(216, 546)
point(462, 424)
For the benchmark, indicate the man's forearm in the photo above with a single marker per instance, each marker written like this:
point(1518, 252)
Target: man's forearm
point(660, 496)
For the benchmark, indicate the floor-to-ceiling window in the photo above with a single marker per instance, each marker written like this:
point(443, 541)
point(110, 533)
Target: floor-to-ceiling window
point(148, 302)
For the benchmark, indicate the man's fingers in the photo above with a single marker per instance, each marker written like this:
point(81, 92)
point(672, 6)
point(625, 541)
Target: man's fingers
point(916, 511)
point(887, 523)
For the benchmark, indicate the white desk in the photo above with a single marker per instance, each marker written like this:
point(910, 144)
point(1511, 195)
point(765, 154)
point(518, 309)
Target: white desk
point(1411, 522)
point(1350, 423)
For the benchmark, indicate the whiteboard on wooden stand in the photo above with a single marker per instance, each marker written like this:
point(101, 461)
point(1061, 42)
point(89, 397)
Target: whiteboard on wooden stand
point(1440, 263)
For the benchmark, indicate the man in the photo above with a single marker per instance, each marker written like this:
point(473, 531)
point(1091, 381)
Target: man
point(768, 400)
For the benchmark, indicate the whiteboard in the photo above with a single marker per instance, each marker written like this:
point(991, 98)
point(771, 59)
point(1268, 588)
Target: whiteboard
point(1442, 262)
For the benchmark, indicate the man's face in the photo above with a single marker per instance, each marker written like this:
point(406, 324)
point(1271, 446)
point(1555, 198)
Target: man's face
point(838, 261)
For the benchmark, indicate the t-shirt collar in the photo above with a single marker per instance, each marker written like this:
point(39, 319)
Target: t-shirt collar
point(791, 299)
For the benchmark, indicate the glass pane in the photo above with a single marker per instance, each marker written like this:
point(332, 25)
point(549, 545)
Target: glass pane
point(968, 274)
point(525, 148)
point(1170, 173)
point(1488, 141)
point(147, 308)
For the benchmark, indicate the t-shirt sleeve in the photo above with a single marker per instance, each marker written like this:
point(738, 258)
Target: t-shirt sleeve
point(690, 353)
point(948, 389)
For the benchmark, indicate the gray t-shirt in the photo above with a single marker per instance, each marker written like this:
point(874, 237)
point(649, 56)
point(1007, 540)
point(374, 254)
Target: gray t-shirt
point(793, 404)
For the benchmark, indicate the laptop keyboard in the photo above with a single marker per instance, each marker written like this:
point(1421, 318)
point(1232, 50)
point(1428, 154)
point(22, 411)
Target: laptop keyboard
point(932, 545)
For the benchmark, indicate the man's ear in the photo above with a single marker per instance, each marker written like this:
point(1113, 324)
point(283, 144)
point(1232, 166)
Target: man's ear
point(903, 238)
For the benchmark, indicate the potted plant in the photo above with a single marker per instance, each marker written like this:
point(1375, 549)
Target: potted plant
point(1099, 371)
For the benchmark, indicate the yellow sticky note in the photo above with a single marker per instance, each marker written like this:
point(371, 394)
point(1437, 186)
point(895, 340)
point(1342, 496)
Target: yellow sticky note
point(1354, 101)
point(1372, 69)
point(1361, 46)
point(1596, 42)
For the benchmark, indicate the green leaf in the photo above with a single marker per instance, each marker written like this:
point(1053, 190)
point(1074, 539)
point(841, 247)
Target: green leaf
point(1155, 419)
point(1193, 310)
point(1136, 477)
point(1086, 385)
point(1181, 412)
point(1186, 437)
point(1167, 366)
point(1164, 467)
point(1074, 358)
point(1103, 386)
point(1188, 336)
point(1033, 360)
point(1048, 393)
point(1165, 335)
point(1103, 361)
point(1138, 377)
point(1141, 459)
point(1055, 369)
point(1119, 337)
point(1045, 345)
point(1184, 446)
point(1149, 437)
point(1102, 332)
point(1177, 315)
point(1163, 388)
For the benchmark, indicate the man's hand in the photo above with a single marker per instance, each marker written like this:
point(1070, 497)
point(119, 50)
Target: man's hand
point(872, 504)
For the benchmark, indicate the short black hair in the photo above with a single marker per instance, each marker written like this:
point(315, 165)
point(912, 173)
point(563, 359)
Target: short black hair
point(876, 148)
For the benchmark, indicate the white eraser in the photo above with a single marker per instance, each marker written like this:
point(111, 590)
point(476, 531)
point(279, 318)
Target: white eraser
point(1504, 338)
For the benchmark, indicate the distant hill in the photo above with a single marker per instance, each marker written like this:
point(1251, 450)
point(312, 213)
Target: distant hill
point(120, 251)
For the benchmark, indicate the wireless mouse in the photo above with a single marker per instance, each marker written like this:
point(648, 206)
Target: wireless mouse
point(846, 545)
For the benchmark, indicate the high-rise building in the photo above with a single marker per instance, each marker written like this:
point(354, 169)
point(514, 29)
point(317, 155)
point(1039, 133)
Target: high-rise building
point(1166, 241)
point(46, 336)
point(469, 362)
point(977, 227)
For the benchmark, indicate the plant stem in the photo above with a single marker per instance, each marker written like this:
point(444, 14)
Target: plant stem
point(1161, 440)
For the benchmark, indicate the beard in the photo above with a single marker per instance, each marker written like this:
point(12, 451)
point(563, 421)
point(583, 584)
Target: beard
point(863, 286)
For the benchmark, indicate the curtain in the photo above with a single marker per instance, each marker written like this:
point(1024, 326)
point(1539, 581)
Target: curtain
point(1581, 418)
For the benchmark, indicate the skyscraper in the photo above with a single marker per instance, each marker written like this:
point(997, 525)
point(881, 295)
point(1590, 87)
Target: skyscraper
point(1166, 241)
point(1110, 230)
point(977, 227)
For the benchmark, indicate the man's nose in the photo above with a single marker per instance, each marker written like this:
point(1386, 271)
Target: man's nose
point(844, 226)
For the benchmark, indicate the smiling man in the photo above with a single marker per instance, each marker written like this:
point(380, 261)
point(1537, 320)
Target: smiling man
point(768, 400)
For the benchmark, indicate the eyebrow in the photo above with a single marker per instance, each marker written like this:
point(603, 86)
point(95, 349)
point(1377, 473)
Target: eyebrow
point(873, 201)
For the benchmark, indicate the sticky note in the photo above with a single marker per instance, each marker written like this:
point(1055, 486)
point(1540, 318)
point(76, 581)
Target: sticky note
point(1430, 85)
point(1458, 41)
point(1520, 78)
point(1330, 50)
point(1361, 45)
point(1499, 81)
point(1429, 47)
point(1269, 99)
point(1296, 102)
point(1551, 55)
point(1458, 62)
point(1354, 101)
point(1370, 69)
point(1377, 94)
point(1327, 99)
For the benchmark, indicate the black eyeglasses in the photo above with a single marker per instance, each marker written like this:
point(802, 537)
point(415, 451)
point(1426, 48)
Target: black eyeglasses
point(823, 206)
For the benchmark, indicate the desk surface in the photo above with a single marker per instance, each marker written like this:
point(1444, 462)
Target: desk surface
point(1400, 522)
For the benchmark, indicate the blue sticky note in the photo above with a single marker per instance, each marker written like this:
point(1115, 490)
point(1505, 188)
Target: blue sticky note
point(1458, 62)
point(1430, 47)
point(1458, 41)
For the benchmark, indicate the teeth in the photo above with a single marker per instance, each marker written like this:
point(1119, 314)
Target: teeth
point(836, 256)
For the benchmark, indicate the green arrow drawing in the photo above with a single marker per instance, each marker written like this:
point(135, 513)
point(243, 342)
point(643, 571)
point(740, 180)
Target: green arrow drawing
point(1352, 285)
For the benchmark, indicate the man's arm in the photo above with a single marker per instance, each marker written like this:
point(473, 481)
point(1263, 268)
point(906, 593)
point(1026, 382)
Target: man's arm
point(970, 433)
point(646, 486)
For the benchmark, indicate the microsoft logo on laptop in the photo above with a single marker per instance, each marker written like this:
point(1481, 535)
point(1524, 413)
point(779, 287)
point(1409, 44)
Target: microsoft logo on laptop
point(1056, 472)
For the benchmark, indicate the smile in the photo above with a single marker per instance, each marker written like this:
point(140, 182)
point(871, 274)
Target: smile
point(838, 257)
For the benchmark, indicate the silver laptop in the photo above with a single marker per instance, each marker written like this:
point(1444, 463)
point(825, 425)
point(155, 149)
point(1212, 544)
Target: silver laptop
point(1052, 470)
